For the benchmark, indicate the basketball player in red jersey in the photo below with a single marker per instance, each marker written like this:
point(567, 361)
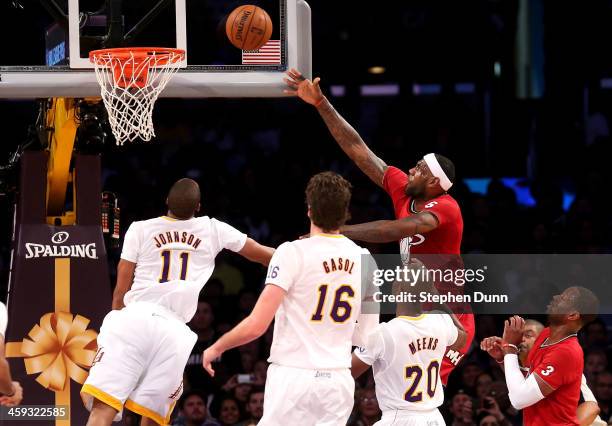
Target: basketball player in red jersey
point(550, 393)
point(428, 220)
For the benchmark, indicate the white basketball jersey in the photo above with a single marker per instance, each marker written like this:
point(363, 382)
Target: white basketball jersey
point(406, 354)
point(175, 258)
point(3, 319)
point(315, 325)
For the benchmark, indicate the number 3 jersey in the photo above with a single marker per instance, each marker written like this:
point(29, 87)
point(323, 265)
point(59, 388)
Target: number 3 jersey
point(406, 354)
point(315, 325)
point(174, 259)
point(560, 365)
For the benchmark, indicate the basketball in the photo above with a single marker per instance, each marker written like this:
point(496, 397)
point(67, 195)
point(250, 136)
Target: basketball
point(248, 27)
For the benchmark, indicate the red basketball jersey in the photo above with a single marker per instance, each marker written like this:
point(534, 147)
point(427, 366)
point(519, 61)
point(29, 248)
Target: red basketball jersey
point(442, 247)
point(560, 365)
point(446, 238)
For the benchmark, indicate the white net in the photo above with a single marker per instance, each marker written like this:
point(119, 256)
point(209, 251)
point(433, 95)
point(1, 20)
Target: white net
point(131, 81)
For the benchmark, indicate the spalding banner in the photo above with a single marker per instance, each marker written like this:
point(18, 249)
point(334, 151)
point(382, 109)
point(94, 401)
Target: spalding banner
point(59, 293)
point(62, 293)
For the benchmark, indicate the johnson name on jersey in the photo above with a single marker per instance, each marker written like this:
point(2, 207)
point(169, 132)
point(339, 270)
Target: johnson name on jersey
point(174, 259)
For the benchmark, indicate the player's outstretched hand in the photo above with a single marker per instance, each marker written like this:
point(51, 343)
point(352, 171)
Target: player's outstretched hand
point(15, 399)
point(308, 91)
point(513, 330)
point(492, 346)
point(208, 356)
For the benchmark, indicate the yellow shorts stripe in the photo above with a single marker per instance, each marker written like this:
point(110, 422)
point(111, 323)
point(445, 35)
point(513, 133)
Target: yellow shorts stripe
point(100, 395)
point(170, 412)
point(144, 411)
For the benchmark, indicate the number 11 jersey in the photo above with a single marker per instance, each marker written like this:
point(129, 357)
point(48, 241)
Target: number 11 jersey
point(174, 259)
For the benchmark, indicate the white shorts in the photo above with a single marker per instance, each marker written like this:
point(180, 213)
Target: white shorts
point(142, 353)
point(411, 418)
point(299, 396)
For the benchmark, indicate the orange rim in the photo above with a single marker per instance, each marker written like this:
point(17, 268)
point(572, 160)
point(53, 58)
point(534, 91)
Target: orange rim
point(164, 55)
point(130, 66)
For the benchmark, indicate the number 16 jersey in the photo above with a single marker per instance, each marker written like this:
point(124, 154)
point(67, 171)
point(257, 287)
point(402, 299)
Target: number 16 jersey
point(316, 322)
point(174, 259)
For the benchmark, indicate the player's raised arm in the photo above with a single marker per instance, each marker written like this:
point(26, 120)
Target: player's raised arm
point(387, 231)
point(523, 392)
point(256, 252)
point(493, 346)
point(232, 239)
point(346, 136)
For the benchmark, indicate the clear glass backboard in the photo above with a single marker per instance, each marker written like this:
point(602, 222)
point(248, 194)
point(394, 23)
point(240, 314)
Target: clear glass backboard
point(50, 58)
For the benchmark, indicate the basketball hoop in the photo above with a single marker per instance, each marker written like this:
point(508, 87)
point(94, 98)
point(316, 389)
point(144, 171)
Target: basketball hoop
point(131, 79)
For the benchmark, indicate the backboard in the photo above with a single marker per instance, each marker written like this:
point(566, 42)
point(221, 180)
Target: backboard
point(55, 63)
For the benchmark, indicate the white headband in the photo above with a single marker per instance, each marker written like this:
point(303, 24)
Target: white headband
point(436, 170)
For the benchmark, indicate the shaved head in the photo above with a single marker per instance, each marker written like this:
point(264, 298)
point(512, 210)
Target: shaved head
point(184, 198)
point(531, 332)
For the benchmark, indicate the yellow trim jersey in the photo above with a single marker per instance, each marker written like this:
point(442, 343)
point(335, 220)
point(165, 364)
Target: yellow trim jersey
point(320, 317)
point(406, 354)
point(175, 258)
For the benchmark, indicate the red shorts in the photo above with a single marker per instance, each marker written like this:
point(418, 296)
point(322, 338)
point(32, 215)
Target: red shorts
point(452, 358)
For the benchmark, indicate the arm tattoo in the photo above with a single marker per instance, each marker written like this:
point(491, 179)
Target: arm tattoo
point(387, 231)
point(380, 231)
point(352, 144)
point(341, 130)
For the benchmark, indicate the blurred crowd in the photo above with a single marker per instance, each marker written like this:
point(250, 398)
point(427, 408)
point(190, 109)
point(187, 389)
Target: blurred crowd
point(253, 176)
point(253, 159)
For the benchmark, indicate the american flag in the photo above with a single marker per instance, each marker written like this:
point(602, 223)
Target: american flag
point(269, 53)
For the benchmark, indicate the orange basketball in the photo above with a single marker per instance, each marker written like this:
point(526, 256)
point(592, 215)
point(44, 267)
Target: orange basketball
point(248, 27)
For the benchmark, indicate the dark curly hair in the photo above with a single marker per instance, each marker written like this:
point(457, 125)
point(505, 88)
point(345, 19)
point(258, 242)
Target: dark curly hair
point(328, 196)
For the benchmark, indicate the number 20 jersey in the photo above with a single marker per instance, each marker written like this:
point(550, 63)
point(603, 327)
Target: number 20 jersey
point(315, 325)
point(174, 259)
point(406, 354)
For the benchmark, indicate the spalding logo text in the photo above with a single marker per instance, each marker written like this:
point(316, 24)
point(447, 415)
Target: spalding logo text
point(34, 250)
